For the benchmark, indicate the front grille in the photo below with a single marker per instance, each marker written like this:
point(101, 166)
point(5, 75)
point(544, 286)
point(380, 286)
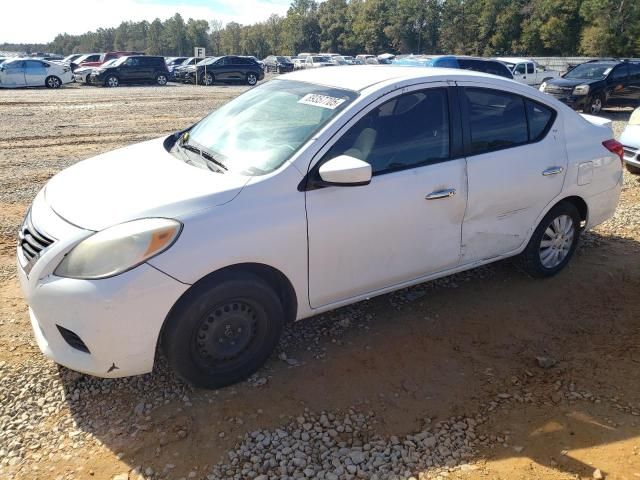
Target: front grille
point(73, 339)
point(553, 89)
point(32, 242)
point(630, 152)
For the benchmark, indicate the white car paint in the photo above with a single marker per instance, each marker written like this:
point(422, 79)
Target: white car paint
point(630, 138)
point(527, 71)
point(28, 72)
point(336, 245)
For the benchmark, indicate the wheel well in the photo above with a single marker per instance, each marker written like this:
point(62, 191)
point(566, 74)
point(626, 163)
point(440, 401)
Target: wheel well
point(582, 207)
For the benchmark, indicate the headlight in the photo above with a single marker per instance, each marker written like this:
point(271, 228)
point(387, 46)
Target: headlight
point(119, 248)
point(543, 85)
point(581, 90)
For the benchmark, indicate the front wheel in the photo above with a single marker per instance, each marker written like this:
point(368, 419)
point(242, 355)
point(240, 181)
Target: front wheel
point(208, 79)
point(223, 330)
point(252, 78)
point(112, 81)
point(595, 104)
point(553, 242)
point(53, 82)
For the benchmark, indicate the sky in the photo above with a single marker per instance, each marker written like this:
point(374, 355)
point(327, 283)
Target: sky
point(39, 21)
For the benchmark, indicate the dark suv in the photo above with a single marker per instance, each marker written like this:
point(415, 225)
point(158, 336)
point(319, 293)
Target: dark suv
point(132, 69)
point(230, 68)
point(594, 85)
point(478, 64)
point(277, 63)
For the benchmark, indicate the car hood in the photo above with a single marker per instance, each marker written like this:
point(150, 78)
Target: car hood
point(571, 82)
point(138, 181)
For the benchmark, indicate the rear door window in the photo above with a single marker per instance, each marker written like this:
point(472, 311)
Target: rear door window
point(497, 120)
point(540, 118)
point(530, 68)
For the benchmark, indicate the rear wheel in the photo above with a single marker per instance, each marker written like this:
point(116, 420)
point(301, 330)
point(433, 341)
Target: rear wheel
point(252, 78)
point(112, 81)
point(161, 79)
point(223, 330)
point(208, 79)
point(53, 82)
point(553, 242)
point(595, 104)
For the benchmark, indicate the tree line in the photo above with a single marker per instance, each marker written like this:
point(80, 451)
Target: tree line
point(472, 27)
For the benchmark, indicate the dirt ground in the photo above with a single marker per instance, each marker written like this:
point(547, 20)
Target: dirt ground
point(466, 346)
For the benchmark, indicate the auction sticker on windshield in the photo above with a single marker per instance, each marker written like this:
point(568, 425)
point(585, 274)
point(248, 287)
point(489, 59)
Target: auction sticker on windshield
point(323, 101)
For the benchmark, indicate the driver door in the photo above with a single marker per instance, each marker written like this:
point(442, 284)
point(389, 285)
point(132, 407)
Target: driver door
point(404, 225)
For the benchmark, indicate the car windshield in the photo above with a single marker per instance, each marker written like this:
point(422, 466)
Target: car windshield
point(110, 63)
point(258, 131)
point(321, 59)
point(282, 59)
point(119, 61)
point(187, 61)
point(589, 70)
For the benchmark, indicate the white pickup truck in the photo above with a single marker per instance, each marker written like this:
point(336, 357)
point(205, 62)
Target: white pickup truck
point(527, 71)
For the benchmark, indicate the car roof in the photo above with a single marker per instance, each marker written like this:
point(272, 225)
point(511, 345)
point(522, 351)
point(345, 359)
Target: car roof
point(359, 77)
point(513, 59)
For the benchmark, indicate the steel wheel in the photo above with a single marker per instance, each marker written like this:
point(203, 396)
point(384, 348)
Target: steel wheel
point(53, 82)
point(227, 335)
point(556, 241)
point(252, 79)
point(112, 81)
point(161, 79)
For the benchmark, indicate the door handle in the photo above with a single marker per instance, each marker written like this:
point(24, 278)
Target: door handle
point(552, 171)
point(450, 192)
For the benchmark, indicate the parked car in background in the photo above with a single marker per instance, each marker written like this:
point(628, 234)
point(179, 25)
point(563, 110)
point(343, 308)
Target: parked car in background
point(132, 69)
point(71, 58)
point(29, 72)
point(155, 246)
point(298, 62)
point(230, 68)
point(85, 60)
point(82, 74)
point(365, 59)
point(476, 64)
point(527, 71)
point(177, 72)
point(105, 57)
point(594, 85)
point(316, 61)
point(349, 59)
point(278, 63)
point(630, 140)
point(172, 61)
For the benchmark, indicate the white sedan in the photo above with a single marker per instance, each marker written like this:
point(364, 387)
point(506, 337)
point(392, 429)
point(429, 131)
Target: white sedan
point(312, 191)
point(24, 72)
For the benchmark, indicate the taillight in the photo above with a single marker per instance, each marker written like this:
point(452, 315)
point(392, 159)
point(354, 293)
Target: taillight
point(616, 147)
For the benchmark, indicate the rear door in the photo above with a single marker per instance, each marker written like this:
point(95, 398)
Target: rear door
point(516, 163)
point(35, 73)
point(13, 74)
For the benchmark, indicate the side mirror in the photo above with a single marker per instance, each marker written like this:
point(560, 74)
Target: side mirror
point(345, 171)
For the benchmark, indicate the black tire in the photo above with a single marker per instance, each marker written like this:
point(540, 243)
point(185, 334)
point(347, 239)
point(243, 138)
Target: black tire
point(214, 319)
point(632, 169)
point(252, 78)
point(531, 258)
point(161, 79)
point(595, 104)
point(111, 81)
point(52, 82)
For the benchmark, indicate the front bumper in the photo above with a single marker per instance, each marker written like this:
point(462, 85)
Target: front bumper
point(577, 102)
point(118, 319)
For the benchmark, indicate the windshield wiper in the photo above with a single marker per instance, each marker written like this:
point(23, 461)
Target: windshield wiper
point(207, 156)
